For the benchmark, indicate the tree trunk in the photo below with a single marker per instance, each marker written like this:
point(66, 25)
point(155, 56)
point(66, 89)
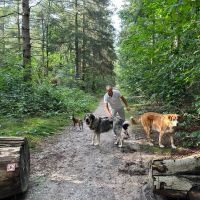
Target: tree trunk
point(47, 38)
point(14, 166)
point(26, 40)
point(175, 178)
point(76, 41)
point(18, 27)
point(83, 53)
point(43, 40)
point(3, 30)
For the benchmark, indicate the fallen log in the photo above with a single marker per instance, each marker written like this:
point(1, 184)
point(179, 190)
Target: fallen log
point(177, 177)
point(14, 166)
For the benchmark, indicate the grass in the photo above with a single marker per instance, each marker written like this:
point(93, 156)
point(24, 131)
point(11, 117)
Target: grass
point(167, 151)
point(34, 128)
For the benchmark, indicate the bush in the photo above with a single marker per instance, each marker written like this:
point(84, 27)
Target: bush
point(18, 99)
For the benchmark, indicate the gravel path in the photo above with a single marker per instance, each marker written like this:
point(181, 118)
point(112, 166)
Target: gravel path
point(68, 168)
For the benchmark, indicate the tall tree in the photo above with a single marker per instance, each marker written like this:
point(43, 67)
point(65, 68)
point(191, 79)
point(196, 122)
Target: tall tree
point(26, 40)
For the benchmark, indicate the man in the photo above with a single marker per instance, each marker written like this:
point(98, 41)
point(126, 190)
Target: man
point(115, 99)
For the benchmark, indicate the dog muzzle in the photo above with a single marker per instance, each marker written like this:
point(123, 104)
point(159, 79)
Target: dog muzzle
point(174, 123)
point(87, 120)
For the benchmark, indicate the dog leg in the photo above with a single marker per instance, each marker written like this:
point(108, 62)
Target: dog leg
point(148, 131)
point(120, 142)
point(117, 141)
point(93, 138)
point(160, 140)
point(98, 139)
point(74, 124)
point(80, 126)
point(172, 142)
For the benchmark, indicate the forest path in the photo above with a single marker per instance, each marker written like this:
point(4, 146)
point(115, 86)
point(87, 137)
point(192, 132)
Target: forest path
point(67, 167)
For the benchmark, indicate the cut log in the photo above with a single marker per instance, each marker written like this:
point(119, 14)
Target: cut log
point(14, 166)
point(189, 165)
point(176, 177)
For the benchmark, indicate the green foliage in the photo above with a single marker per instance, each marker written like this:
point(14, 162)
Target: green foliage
point(197, 104)
point(33, 128)
point(19, 99)
point(191, 140)
point(74, 37)
point(39, 110)
point(159, 51)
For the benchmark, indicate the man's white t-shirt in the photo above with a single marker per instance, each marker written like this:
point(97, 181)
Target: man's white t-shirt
point(114, 101)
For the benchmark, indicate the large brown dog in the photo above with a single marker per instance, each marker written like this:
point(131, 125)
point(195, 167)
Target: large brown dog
point(162, 123)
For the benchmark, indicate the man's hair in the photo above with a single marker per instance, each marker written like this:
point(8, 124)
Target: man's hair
point(108, 87)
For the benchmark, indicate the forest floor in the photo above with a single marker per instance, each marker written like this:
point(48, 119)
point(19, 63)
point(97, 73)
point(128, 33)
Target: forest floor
point(67, 167)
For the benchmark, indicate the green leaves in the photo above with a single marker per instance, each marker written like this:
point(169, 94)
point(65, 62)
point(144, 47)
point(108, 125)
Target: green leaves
point(19, 99)
point(158, 51)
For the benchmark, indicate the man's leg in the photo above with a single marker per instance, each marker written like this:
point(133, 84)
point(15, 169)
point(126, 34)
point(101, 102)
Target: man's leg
point(121, 113)
point(114, 112)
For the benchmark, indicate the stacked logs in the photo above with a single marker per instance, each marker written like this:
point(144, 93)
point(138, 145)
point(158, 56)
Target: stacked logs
point(177, 178)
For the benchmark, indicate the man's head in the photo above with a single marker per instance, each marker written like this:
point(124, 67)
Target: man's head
point(109, 90)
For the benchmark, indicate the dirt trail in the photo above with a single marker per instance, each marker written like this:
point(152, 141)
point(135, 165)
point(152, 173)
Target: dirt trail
point(69, 168)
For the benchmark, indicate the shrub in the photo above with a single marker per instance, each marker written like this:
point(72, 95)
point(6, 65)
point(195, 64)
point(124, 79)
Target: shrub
point(18, 99)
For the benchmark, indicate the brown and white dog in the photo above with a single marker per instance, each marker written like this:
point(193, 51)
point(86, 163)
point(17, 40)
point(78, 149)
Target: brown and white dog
point(77, 121)
point(162, 123)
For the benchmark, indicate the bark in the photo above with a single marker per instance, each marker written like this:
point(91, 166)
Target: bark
point(76, 41)
point(83, 64)
point(26, 40)
point(43, 39)
point(18, 26)
point(176, 176)
point(14, 166)
point(3, 31)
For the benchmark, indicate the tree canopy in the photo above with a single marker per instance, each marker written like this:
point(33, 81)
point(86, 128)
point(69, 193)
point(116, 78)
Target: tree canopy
point(159, 50)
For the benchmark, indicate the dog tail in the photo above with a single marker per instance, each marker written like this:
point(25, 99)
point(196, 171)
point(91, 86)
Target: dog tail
point(134, 121)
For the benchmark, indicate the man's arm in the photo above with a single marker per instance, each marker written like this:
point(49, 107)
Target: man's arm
point(107, 109)
point(125, 102)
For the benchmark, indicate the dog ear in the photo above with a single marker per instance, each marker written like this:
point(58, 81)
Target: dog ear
point(92, 117)
point(85, 117)
point(180, 117)
point(169, 117)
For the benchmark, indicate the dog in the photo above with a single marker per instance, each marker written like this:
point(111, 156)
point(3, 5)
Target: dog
point(104, 124)
point(77, 121)
point(162, 123)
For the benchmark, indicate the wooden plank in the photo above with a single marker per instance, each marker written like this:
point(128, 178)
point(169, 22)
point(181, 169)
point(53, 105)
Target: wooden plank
point(11, 141)
point(188, 165)
point(11, 138)
point(172, 193)
point(181, 183)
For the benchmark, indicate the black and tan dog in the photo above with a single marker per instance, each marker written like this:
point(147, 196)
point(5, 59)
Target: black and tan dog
point(77, 121)
point(104, 124)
